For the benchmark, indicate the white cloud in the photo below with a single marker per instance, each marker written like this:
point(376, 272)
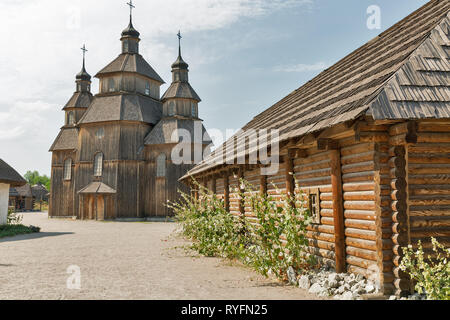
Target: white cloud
point(302, 67)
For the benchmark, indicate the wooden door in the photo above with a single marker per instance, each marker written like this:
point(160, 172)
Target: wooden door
point(100, 208)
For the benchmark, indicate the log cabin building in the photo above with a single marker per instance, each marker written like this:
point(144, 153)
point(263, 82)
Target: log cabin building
point(112, 157)
point(368, 142)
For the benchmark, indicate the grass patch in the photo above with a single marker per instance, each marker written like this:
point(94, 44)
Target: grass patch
point(11, 230)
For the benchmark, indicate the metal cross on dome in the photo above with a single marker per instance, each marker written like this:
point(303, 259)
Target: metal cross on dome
point(131, 5)
point(84, 50)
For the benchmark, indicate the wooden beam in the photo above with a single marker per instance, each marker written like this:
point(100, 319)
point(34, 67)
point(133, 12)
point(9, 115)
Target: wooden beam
point(226, 190)
point(338, 212)
point(241, 198)
point(263, 184)
point(289, 174)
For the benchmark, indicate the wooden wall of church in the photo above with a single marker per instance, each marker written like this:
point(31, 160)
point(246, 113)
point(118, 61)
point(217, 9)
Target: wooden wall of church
point(61, 203)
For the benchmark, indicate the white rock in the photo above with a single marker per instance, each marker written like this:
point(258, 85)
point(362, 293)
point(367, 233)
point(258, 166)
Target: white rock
point(333, 284)
point(292, 276)
point(304, 282)
point(316, 288)
point(370, 288)
point(392, 298)
point(347, 296)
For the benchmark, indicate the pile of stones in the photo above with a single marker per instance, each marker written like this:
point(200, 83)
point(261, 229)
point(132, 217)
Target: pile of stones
point(340, 286)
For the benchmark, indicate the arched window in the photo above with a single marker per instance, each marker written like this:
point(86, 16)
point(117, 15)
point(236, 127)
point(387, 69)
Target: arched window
point(111, 85)
point(147, 88)
point(193, 110)
point(161, 165)
point(98, 164)
point(68, 169)
point(171, 108)
point(71, 118)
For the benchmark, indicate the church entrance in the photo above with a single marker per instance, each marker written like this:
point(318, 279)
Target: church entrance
point(92, 201)
point(92, 207)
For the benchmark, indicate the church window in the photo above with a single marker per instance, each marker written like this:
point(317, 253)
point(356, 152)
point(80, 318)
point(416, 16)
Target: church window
point(147, 88)
point(125, 46)
point(171, 108)
point(70, 118)
point(193, 110)
point(78, 87)
point(68, 169)
point(98, 164)
point(100, 133)
point(111, 85)
point(161, 165)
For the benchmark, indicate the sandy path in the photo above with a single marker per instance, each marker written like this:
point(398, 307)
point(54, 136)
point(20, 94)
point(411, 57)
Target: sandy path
point(121, 260)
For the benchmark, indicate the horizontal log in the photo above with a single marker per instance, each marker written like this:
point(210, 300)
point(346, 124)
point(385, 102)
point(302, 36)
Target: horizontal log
point(359, 167)
point(358, 158)
point(430, 179)
point(433, 127)
point(361, 186)
point(360, 195)
point(398, 184)
point(400, 217)
point(419, 222)
point(435, 201)
point(321, 228)
point(425, 189)
point(429, 158)
point(400, 238)
point(419, 168)
point(397, 162)
point(320, 236)
point(360, 214)
point(397, 151)
point(426, 233)
point(399, 228)
point(361, 253)
point(398, 195)
point(429, 211)
point(402, 139)
point(358, 177)
point(360, 224)
point(429, 148)
point(359, 205)
point(397, 172)
point(360, 234)
point(399, 206)
point(402, 284)
point(433, 137)
point(361, 243)
point(359, 262)
point(373, 136)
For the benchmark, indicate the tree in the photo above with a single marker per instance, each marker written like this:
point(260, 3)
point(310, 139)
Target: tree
point(33, 177)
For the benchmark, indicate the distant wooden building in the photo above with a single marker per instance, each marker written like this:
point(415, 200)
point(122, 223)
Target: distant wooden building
point(21, 198)
point(8, 178)
point(112, 157)
point(368, 142)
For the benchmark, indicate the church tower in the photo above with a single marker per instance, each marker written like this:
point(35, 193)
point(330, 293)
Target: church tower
point(64, 148)
point(180, 121)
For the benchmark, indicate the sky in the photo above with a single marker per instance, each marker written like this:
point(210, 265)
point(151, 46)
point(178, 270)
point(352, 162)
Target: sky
point(244, 55)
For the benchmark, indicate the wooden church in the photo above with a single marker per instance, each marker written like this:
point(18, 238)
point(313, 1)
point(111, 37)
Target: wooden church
point(367, 142)
point(112, 157)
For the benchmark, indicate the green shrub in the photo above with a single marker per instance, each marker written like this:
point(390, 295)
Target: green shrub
point(270, 243)
point(431, 274)
point(10, 230)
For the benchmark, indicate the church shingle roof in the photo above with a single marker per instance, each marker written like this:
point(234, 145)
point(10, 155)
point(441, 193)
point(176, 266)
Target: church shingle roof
point(127, 62)
point(79, 100)
point(67, 139)
point(180, 90)
point(129, 107)
point(10, 176)
point(400, 74)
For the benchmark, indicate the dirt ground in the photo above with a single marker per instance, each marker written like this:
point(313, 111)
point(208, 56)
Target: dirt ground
point(121, 260)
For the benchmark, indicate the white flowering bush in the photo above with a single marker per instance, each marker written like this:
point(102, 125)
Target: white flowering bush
point(274, 241)
point(431, 274)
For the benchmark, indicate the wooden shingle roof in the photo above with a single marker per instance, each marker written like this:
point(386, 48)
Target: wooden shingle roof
point(127, 62)
point(129, 107)
point(67, 139)
point(180, 90)
point(10, 176)
point(400, 74)
point(79, 100)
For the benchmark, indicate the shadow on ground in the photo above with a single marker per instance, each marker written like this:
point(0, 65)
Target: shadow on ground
point(31, 236)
